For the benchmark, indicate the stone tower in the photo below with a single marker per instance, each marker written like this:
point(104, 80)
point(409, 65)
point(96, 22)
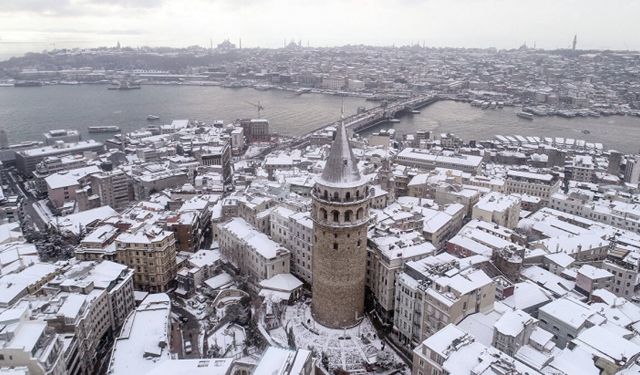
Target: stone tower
point(340, 216)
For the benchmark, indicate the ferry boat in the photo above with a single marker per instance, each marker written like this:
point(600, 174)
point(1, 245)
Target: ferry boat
point(104, 129)
point(303, 90)
point(125, 85)
point(525, 115)
point(152, 117)
point(27, 84)
point(394, 120)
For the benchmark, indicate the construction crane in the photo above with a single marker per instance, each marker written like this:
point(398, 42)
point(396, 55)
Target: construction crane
point(258, 106)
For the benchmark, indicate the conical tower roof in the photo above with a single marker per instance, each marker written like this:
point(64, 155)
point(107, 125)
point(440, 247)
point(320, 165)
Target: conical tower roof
point(341, 169)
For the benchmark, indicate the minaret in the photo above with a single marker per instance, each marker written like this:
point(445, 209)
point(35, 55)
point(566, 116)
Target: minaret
point(340, 216)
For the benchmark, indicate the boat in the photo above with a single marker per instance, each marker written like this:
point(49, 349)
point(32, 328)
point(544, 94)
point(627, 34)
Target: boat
point(152, 117)
point(585, 131)
point(27, 84)
point(525, 115)
point(125, 85)
point(233, 85)
point(303, 90)
point(72, 83)
point(104, 129)
point(394, 120)
point(415, 112)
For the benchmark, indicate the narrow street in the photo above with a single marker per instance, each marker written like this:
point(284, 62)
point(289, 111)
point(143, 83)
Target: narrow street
point(16, 187)
point(183, 332)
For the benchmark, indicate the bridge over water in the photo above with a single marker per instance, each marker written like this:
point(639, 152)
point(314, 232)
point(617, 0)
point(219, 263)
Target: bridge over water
point(363, 120)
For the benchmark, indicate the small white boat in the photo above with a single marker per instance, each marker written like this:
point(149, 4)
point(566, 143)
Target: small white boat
point(152, 118)
point(525, 115)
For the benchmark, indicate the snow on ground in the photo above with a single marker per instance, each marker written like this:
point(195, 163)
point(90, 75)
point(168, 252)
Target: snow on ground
point(254, 150)
point(230, 340)
point(41, 208)
point(347, 349)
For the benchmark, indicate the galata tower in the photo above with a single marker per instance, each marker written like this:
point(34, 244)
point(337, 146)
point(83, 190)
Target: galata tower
point(340, 216)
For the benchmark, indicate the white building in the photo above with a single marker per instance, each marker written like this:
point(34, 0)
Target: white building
point(498, 208)
point(253, 252)
point(427, 159)
point(541, 185)
point(294, 230)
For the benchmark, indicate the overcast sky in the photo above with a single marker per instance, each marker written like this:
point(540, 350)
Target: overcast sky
point(34, 25)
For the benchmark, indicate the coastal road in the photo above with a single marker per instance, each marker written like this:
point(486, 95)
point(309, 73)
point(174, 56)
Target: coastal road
point(16, 187)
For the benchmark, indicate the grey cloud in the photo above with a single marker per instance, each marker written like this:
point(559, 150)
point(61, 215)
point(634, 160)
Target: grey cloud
point(95, 32)
point(68, 7)
point(35, 6)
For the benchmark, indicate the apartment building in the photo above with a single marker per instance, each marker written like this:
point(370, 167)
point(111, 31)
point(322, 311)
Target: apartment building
point(387, 253)
point(114, 188)
point(498, 208)
point(449, 289)
point(31, 345)
point(253, 252)
point(565, 318)
point(624, 265)
point(453, 351)
point(294, 231)
point(219, 156)
point(26, 160)
point(621, 214)
point(427, 159)
point(87, 305)
point(151, 252)
point(542, 185)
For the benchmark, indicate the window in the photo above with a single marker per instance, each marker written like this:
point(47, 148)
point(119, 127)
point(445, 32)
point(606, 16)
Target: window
point(347, 215)
point(335, 246)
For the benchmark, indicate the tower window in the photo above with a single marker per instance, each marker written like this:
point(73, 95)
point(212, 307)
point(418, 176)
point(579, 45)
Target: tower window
point(347, 196)
point(336, 196)
point(335, 246)
point(347, 215)
point(336, 216)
